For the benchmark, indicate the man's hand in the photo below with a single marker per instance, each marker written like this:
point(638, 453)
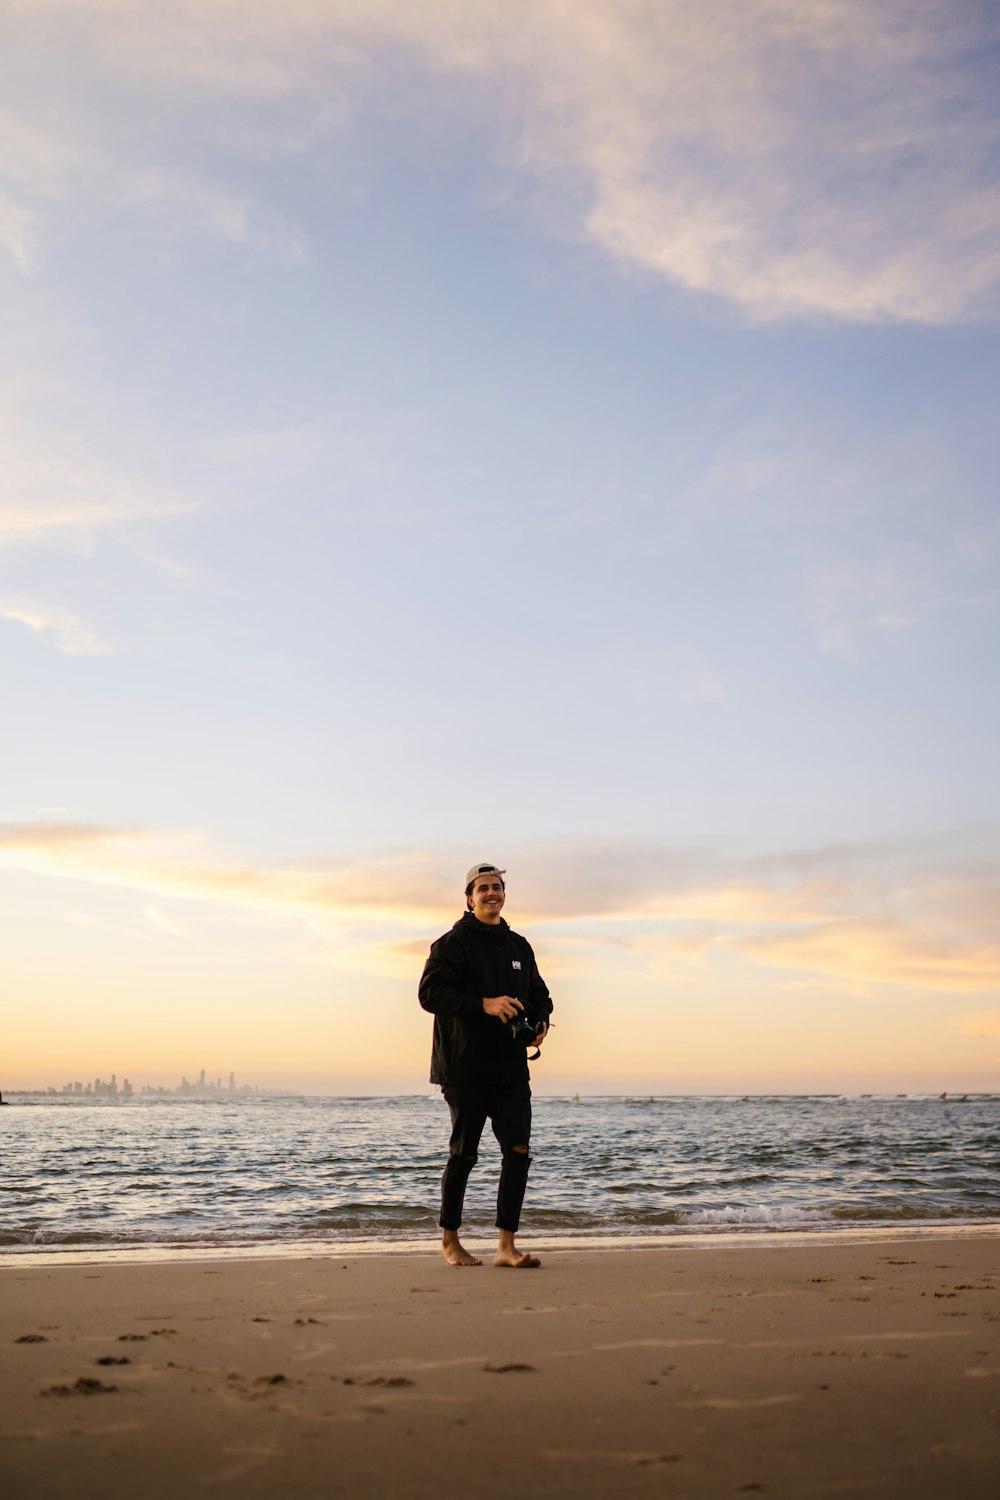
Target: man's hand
point(504, 1006)
point(541, 1033)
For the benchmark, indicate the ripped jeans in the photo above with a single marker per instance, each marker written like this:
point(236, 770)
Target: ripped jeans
point(508, 1108)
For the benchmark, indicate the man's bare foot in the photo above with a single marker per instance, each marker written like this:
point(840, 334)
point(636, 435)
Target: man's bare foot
point(454, 1251)
point(509, 1255)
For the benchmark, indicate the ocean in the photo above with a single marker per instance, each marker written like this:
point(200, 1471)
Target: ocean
point(282, 1175)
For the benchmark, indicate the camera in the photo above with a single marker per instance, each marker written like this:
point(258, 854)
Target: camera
point(523, 1029)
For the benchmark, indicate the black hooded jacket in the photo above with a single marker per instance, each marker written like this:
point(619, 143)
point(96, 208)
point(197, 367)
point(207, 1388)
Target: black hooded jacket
point(476, 961)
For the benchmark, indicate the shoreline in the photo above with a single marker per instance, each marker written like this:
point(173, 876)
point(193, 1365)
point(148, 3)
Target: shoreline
point(791, 1366)
point(12, 1258)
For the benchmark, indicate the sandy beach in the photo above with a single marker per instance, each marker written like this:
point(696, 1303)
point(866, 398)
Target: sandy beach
point(802, 1367)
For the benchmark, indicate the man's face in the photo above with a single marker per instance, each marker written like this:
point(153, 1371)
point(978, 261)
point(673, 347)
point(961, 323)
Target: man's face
point(487, 898)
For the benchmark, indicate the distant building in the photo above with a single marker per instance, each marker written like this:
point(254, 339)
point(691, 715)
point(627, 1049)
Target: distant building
point(205, 1088)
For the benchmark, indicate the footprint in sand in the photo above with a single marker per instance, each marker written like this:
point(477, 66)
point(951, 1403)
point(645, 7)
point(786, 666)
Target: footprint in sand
point(614, 1456)
point(394, 1381)
point(31, 1338)
point(506, 1369)
point(111, 1359)
point(85, 1386)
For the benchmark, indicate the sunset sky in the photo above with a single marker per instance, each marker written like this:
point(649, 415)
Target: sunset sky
point(558, 433)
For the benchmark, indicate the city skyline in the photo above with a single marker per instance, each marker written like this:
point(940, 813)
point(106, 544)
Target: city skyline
point(206, 1087)
point(100, 1088)
point(433, 434)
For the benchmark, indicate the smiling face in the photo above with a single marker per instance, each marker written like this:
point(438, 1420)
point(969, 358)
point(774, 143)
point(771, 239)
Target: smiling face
point(486, 898)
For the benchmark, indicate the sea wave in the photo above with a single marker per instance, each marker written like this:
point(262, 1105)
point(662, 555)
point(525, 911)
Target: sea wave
point(422, 1225)
point(339, 1170)
point(756, 1216)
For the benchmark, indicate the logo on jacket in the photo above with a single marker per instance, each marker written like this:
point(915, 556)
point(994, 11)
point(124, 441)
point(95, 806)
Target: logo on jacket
point(516, 962)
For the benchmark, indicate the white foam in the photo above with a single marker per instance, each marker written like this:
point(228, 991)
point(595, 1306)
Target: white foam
point(756, 1216)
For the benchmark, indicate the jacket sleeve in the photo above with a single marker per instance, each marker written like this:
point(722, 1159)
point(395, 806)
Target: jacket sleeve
point(441, 985)
point(539, 999)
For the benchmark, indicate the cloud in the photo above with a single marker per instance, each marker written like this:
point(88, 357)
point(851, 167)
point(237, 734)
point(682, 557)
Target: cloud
point(59, 160)
point(174, 197)
point(37, 164)
point(17, 235)
point(46, 496)
point(183, 202)
point(851, 599)
point(703, 686)
point(895, 624)
point(403, 885)
point(794, 157)
point(61, 496)
point(911, 916)
point(62, 629)
point(57, 489)
point(744, 484)
point(880, 952)
point(85, 921)
point(159, 919)
point(678, 671)
point(797, 145)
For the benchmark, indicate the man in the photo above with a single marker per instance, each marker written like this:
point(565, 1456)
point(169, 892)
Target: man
point(479, 978)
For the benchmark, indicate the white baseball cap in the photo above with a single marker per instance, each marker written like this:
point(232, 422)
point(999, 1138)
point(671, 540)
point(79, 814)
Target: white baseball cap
point(483, 869)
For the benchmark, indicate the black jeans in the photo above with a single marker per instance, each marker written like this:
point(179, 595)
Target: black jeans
point(508, 1108)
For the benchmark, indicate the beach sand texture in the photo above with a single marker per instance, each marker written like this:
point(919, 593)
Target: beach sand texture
point(781, 1369)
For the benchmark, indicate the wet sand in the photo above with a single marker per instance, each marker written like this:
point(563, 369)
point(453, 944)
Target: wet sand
point(777, 1368)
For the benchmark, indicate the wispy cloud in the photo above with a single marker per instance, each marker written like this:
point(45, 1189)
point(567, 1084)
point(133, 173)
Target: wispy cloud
point(179, 865)
point(743, 485)
point(777, 155)
point(852, 601)
point(62, 161)
point(679, 672)
point(703, 684)
point(46, 496)
point(163, 922)
point(878, 952)
point(65, 492)
point(184, 203)
point(57, 626)
point(17, 234)
point(861, 915)
point(62, 498)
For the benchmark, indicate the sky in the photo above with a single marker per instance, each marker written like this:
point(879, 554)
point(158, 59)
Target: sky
point(558, 434)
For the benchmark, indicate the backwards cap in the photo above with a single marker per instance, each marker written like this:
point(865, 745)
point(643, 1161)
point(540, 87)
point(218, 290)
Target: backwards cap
point(484, 869)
